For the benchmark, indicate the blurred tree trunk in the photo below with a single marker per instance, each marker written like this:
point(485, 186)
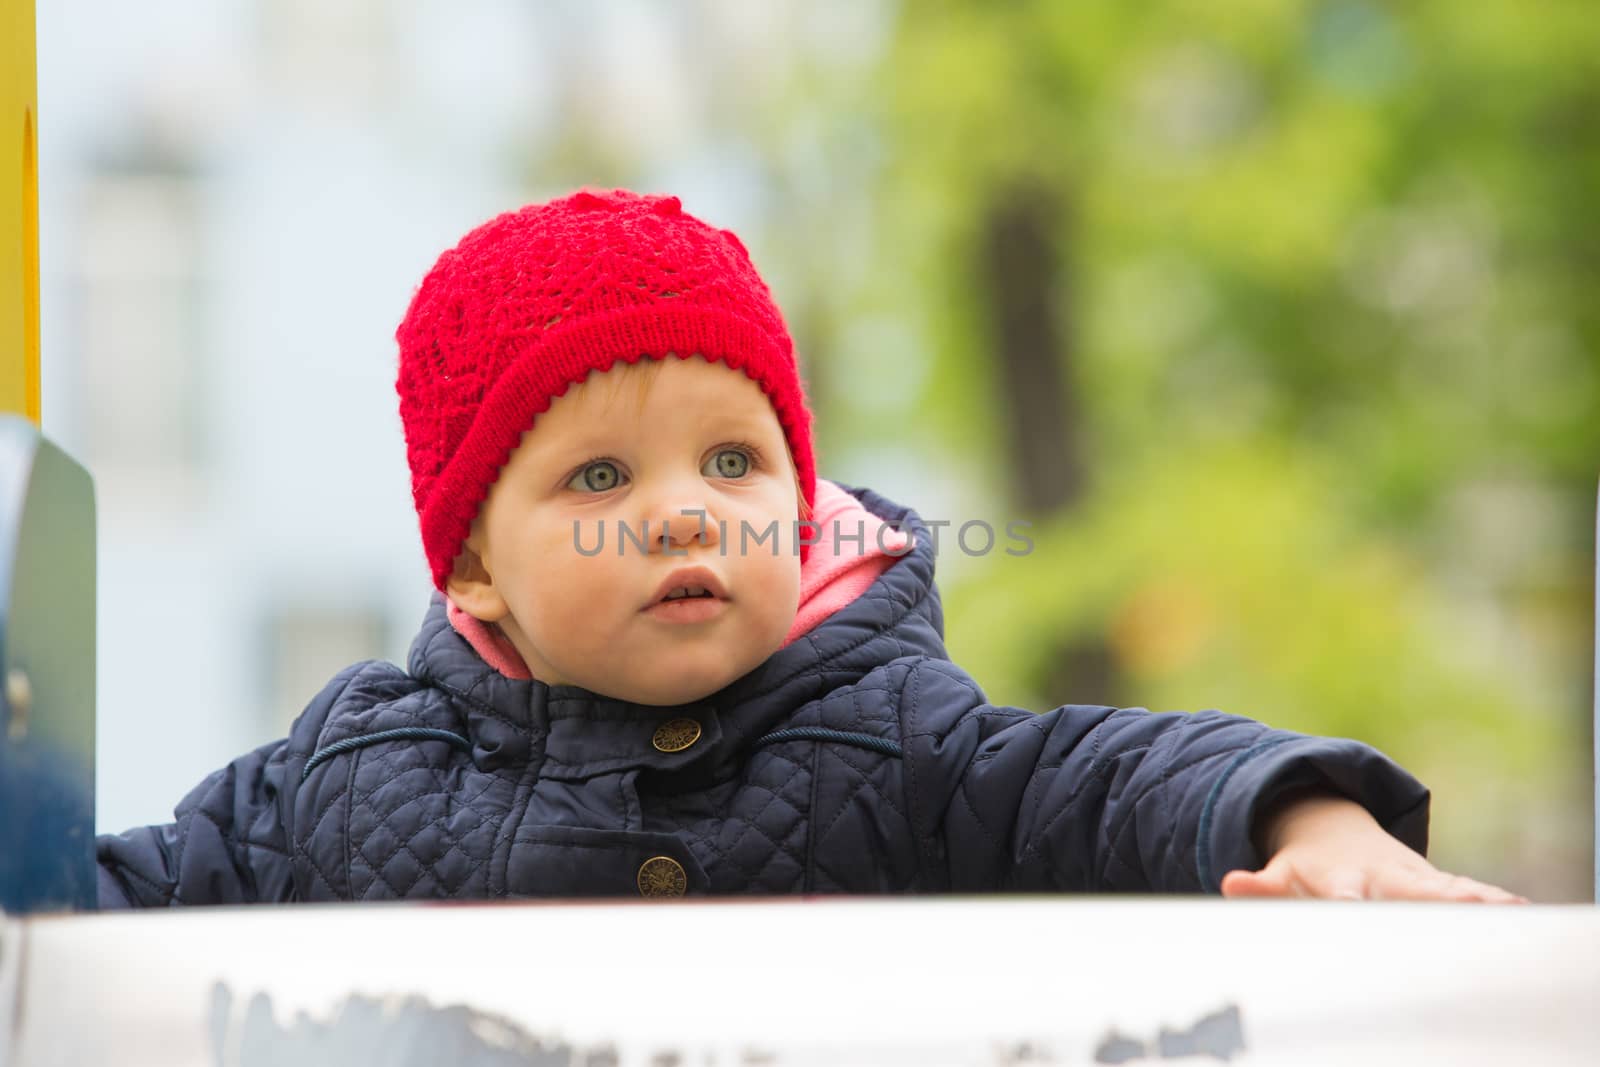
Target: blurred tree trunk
point(1029, 297)
point(1028, 288)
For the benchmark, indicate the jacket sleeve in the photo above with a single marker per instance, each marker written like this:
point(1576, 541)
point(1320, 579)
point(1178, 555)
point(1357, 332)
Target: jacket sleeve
point(228, 842)
point(1098, 799)
point(226, 845)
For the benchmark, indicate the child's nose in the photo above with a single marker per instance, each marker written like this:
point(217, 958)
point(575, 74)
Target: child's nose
point(677, 528)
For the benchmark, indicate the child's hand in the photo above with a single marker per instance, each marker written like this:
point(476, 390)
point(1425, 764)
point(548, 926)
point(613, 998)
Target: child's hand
point(1324, 845)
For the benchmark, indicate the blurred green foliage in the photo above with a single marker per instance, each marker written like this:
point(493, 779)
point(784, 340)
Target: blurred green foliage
point(1325, 301)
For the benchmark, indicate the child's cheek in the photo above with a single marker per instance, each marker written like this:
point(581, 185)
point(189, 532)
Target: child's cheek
point(579, 590)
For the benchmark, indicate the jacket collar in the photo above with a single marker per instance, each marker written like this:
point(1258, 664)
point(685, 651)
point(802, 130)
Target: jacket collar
point(584, 733)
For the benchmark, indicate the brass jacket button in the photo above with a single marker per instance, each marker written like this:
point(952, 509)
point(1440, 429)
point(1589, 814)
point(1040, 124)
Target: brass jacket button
point(675, 735)
point(662, 876)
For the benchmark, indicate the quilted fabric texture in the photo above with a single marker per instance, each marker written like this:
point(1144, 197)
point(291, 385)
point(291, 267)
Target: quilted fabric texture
point(892, 773)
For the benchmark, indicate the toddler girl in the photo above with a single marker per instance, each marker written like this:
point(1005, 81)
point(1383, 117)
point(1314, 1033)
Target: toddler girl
point(665, 658)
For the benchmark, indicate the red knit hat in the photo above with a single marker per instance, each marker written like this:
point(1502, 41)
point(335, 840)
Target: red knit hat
point(533, 300)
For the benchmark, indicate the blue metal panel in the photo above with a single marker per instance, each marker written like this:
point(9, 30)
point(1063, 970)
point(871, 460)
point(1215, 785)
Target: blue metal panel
point(47, 674)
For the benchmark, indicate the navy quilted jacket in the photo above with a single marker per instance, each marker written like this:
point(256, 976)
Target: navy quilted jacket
point(859, 759)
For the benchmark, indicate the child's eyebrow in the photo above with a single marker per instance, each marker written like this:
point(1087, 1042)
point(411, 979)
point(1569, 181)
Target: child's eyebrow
point(574, 447)
point(743, 421)
point(595, 437)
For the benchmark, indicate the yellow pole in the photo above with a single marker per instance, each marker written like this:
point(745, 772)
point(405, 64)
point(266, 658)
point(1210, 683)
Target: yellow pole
point(19, 212)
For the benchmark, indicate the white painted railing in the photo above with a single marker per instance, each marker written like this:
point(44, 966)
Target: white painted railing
point(924, 982)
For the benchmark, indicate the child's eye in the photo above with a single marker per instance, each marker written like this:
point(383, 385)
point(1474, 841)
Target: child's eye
point(596, 477)
point(728, 463)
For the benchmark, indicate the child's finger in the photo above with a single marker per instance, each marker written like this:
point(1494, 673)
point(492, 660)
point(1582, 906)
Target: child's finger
point(1439, 885)
point(1272, 881)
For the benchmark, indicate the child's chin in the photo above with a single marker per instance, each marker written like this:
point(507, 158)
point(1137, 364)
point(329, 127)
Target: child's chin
point(671, 695)
point(684, 675)
point(678, 687)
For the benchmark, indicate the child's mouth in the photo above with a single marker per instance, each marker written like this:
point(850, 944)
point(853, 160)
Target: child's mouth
point(688, 595)
point(701, 607)
point(689, 592)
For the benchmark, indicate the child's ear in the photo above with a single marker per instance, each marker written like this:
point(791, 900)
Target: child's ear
point(470, 585)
